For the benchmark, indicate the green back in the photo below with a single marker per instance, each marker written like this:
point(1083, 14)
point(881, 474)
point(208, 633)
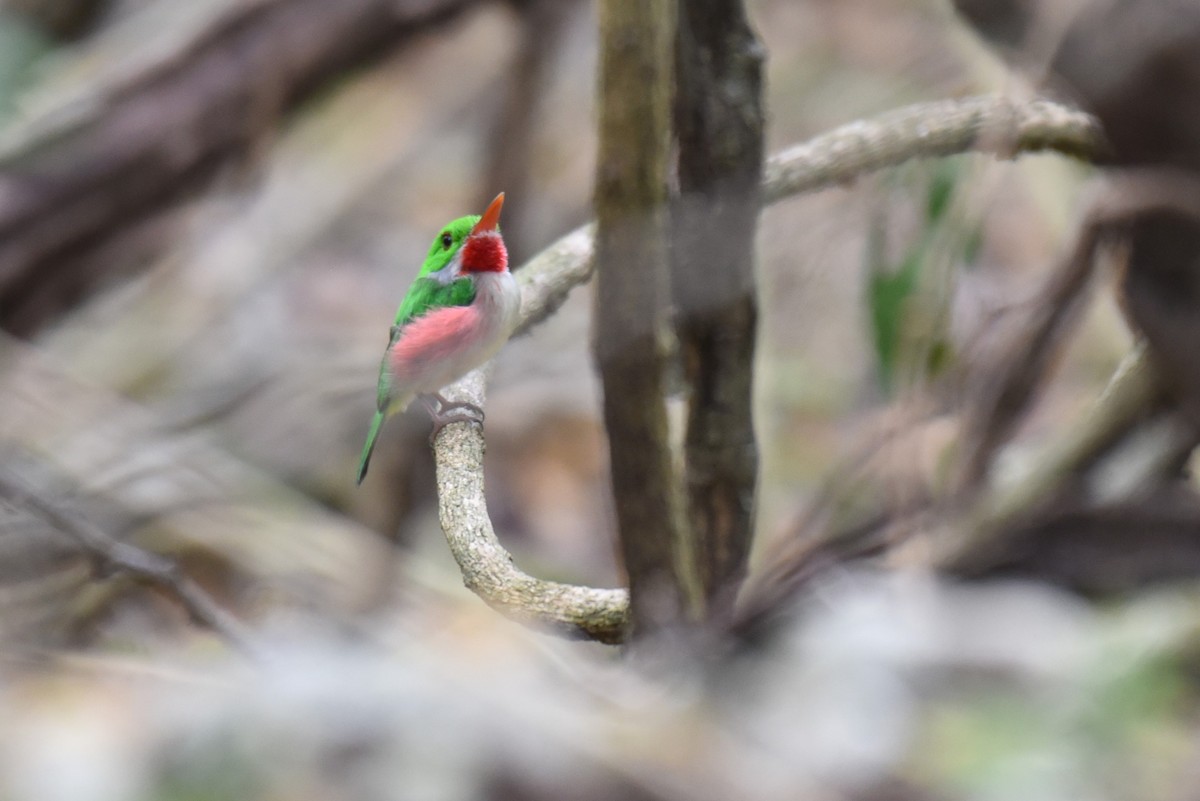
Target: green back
point(427, 294)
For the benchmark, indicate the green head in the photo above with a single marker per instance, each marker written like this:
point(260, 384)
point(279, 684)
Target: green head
point(447, 243)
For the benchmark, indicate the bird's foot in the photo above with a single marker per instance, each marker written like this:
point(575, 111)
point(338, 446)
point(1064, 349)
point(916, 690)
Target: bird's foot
point(449, 405)
point(440, 421)
point(444, 412)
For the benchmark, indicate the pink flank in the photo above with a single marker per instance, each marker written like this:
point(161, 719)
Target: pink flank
point(442, 346)
point(432, 346)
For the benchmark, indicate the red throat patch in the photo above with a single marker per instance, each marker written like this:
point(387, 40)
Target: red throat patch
point(484, 253)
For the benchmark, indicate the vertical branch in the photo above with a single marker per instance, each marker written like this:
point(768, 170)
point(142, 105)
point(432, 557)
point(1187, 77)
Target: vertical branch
point(719, 121)
point(631, 258)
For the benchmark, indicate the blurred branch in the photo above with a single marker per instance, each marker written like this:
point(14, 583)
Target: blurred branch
point(986, 124)
point(100, 162)
point(264, 535)
point(792, 562)
point(999, 524)
point(1131, 393)
point(719, 124)
point(62, 19)
point(1009, 389)
point(123, 557)
point(1138, 383)
point(548, 278)
point(924, 130)
point(251, 238)
point(630, 303)
point(1114, 549)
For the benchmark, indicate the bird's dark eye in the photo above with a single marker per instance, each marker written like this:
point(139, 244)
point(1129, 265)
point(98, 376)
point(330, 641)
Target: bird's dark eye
point(447, 240)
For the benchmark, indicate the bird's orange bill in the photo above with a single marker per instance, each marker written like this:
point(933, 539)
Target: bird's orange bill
point(490, 220)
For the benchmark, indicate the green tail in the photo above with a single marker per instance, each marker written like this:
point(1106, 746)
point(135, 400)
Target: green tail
point(369, 448)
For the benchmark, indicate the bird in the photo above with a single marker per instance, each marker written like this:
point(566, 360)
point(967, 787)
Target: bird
point(457, 314)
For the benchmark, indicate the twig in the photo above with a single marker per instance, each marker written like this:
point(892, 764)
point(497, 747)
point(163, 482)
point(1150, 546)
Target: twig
point(985, 124)
point(123, 557)
point(549, 277)
point(930, 129)
point(1008, 389)
point(1119, 199)
point(1132, 390)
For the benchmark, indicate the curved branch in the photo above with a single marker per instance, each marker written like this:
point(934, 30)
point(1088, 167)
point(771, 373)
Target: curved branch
point(487, 568)
point(989, 124)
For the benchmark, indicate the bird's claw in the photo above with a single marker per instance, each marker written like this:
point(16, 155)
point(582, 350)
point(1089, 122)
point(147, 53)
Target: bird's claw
point(444, 412)
point(466, 413)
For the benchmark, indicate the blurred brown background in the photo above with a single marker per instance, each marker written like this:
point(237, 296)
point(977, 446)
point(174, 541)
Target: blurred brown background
point(208, 214)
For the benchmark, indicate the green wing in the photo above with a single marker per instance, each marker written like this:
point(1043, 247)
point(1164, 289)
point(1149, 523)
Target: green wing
point(427, 294)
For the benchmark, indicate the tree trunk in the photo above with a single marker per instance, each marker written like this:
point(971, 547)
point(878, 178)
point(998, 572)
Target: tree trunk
point(719, 121)
point(630, 300)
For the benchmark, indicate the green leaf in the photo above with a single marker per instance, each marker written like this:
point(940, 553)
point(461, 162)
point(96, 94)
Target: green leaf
point(908, 299)
point(942, 183)
point(22, 44)
point(888, 297)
